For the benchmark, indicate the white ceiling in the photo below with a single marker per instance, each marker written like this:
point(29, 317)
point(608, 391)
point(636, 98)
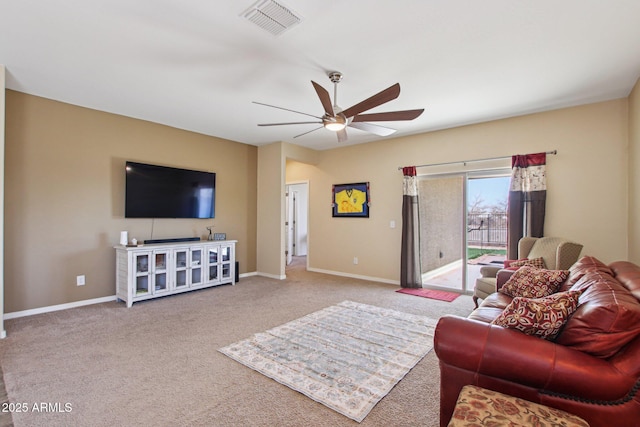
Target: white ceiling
point(198, 64)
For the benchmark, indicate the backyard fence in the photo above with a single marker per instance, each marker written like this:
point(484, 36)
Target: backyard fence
point(487, 229)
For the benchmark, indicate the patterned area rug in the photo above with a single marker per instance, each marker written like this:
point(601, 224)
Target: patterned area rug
point(430, 293)
point(347, 356)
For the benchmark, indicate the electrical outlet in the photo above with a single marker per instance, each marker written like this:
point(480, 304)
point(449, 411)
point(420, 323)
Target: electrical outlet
point(80, 280)
point(355, 260)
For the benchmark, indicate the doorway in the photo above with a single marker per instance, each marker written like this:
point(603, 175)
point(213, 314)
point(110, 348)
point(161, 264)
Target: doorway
point(462, 226)
point(296, 222)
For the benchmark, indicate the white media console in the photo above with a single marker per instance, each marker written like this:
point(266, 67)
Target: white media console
point(155, 270)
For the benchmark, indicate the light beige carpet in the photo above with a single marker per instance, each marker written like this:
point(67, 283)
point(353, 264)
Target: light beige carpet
point(157, 364)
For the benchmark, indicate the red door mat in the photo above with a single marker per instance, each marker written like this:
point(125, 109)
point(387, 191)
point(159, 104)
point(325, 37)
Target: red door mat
point(430, 293)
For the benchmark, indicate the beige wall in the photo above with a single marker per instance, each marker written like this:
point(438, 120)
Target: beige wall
point(587, 197)
point(64, 191)
point(634, 174)
point(2, 147)
point(65, 196)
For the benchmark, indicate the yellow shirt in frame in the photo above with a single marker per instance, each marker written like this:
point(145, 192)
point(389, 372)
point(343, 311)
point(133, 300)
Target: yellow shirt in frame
point(350, 201)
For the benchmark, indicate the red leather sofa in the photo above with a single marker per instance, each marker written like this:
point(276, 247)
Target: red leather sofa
point(591, 369)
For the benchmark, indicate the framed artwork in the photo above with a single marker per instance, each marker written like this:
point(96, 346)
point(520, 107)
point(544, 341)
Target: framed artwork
point(351, 200)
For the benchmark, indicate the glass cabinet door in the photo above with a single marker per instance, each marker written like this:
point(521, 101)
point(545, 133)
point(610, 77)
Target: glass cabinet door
point(181, 257)
point(196, 267)
point(160, 265)
point(142, 273)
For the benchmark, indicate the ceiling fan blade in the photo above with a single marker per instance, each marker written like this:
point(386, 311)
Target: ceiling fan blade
point(286, 109)
point(389, 116)
point(371, 128)
point(342, 135)
point(379, 98)
point(312, 130)
point(288, 123)
point(325, 98)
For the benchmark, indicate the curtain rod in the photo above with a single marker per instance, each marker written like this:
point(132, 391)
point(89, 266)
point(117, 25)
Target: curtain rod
point(554, 152)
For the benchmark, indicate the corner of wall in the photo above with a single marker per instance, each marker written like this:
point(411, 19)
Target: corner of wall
point(270, 241)
point(634, 174)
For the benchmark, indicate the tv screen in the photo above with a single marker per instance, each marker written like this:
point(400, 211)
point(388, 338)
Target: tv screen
point(165, 192)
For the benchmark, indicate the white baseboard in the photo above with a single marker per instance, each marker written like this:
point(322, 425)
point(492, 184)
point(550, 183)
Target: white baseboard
point(58, 307)
point(48, 309)
point(355, 276)
point(272, 276)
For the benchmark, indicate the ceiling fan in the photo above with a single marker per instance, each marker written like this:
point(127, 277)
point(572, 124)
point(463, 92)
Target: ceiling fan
point(336, 119)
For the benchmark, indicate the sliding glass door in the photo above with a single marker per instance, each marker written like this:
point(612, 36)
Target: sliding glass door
point(462, 226)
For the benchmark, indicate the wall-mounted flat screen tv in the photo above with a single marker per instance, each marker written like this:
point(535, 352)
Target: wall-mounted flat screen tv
point(165, 192)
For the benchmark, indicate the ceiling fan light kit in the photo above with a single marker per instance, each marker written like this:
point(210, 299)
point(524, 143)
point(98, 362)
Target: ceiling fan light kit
point(337, 120)
point(335, 126)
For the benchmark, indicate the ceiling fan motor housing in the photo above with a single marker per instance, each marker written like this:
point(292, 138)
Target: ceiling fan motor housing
point(335, 76)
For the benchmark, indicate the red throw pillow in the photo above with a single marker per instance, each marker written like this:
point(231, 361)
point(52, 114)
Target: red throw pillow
point(531, 282)
point(541, 317)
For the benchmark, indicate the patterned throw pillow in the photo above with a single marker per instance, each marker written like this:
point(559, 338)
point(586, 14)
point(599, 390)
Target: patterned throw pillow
point(541, 317)
point(535, 262)
point(531, 282)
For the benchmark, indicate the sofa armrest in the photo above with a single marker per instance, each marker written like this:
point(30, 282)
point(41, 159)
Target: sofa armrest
point(503, 275)
point(509, 355)
point(489, 270)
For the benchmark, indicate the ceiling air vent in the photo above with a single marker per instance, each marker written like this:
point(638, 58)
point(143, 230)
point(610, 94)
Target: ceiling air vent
point(271, 16)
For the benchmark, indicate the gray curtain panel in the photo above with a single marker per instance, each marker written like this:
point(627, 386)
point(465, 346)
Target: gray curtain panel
point(410, 268)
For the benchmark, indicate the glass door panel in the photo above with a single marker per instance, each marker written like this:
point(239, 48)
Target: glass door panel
point(226, 271)
point(142, 285)
point(160, 282)
point(213, 273)
point(181, 278)
point(196, 257)
point(226, 253)
point(142, 263)
point(213, 255)
point(160, 261)
point(488, 195)
point(441, 205)
point(181, 258)
point(196, 276)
